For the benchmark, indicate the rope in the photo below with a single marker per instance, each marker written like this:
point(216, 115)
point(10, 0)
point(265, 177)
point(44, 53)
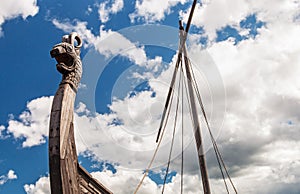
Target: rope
point(216, 149)
point(169, 95)
point(181, 176)
point(158, 144)
point(166, 114)
point(208, 126)
point(195, 86)
point(173, 136)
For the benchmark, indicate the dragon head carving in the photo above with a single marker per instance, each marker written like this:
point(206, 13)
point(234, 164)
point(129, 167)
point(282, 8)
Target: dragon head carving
point(67, 55)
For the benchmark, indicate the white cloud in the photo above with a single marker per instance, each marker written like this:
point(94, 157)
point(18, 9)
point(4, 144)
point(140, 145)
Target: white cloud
point(116, 182)
point(262, 84)
point(153, 10)
point(9, 176)
point(89, 10)
point(108, 43)
point(32, 125)
point(125, 181)
point(107, 8)
point(2, 129)
point(15, 8)
point(277, 172)
point(42, 186)
point(215, 14)
point(138, 117)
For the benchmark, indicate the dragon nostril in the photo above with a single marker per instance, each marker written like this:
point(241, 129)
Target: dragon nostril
point(54, 52)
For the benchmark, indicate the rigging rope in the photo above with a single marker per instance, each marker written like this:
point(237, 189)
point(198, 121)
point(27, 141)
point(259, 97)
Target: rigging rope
point(195, 86)
point(181, 175)
point(158, 144)
point(216, 149)
point(166, 114)
point(173, 136)
point(177, 63)
point(169, 95)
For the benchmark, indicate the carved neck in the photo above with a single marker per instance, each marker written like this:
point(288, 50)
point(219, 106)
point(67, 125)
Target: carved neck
point(73, 77)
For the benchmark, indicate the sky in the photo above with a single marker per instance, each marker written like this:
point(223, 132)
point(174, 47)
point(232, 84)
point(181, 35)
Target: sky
point(245, 55)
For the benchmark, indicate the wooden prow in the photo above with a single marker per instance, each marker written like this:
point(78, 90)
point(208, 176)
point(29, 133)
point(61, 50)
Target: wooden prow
point(66, 175)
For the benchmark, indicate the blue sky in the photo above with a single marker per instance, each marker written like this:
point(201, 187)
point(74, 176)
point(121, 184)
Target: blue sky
point(246, 58)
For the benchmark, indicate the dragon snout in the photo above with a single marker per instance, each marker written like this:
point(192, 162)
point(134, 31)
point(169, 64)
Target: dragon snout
point(54, 52)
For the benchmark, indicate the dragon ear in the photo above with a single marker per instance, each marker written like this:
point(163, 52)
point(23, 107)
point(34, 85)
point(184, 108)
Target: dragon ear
point(74, 36)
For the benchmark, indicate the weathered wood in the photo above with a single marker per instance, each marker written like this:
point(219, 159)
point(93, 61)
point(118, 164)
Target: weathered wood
point(196, 123)
point(60, 126)
point(66, 176)
point(90, 185)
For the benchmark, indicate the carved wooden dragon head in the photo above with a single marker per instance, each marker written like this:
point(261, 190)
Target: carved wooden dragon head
point(67, 55)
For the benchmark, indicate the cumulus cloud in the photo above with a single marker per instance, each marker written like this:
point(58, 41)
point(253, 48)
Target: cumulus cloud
point(131, 127)
point(124, 181)
point(109, 7)
point(9, 176)
point(116, 182)
point(42, 186)
point(32, 124)
point(261, 80)
point(133, 136)
point(153, 10)
point(15, 8)
point(215, 14)
point(129, 179)
point(109, 43)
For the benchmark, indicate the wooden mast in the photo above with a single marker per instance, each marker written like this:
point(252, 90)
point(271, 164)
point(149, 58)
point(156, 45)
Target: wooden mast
point(182, 53)
point(197, 132)
point(196, 123)
point(66, 175)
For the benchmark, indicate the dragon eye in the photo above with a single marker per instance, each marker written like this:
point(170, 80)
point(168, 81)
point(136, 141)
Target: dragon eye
point(69, 48)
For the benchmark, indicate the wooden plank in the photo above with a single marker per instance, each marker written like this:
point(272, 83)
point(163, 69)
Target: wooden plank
point(90, 185)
